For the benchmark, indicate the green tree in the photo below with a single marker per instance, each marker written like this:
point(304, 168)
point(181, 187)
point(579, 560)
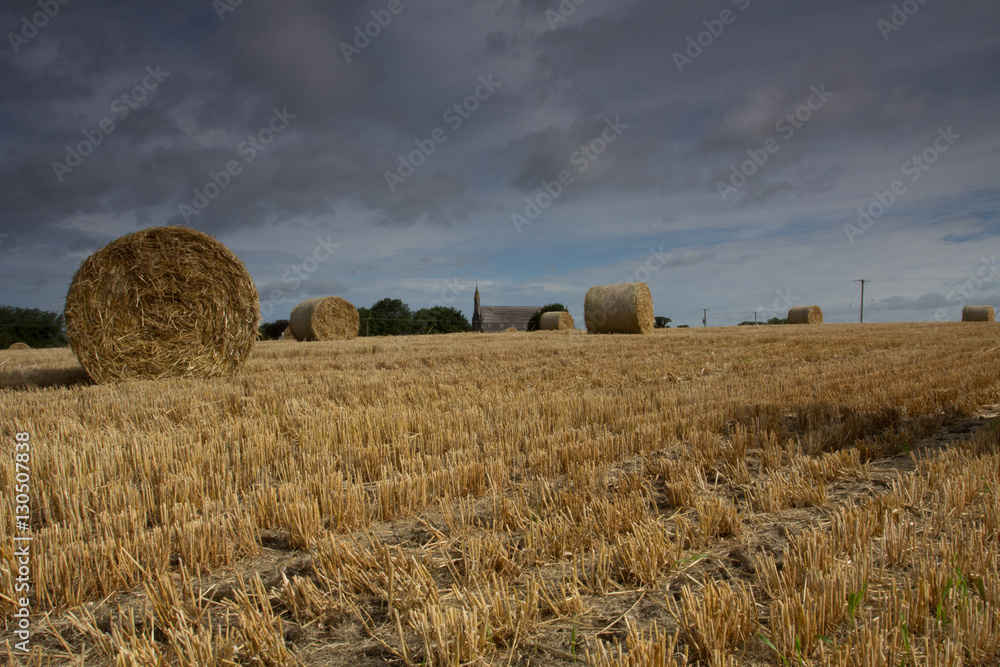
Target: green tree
point(388, 317)
point(778, 320)
point(536, 320)
point(272, 330)
point(661, 322)
point(37, 328)
point(440, 319)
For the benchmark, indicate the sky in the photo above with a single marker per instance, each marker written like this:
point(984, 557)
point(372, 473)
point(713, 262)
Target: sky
point(742, 156)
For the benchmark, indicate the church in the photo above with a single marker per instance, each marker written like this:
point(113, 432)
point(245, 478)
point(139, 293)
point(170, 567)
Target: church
point(496, 319)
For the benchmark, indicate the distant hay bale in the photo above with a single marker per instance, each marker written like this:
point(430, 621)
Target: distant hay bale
point(162, 302)
point(556, 320)
point(286, 334)
point(977, 314)
point(805, 315)
point(623, 308)
point(19, 346)
point(324, 318)
point(511, 330)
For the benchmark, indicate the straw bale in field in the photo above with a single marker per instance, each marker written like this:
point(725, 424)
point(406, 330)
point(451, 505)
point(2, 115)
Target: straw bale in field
point(511, 330)
point(162, 302)
point(286, 334)
point(977, 314)
point(556, 320)
point(19, 346)
point(324, 318)
point(622, 308)
point(805, 315)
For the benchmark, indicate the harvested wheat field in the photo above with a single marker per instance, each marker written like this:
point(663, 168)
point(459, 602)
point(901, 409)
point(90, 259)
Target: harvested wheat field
point(752, 495)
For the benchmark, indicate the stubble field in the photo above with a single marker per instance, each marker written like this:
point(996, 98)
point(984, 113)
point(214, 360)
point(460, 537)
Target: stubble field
point(765, 496)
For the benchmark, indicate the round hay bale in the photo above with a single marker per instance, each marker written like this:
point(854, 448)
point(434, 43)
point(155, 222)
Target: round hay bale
point(324, 318)
point(556, 320)
point(19, 346)
point(286, 334)
point(805, 315)
point(511, 330)
point(162, 302)
point(978, 314)
point(623, 308)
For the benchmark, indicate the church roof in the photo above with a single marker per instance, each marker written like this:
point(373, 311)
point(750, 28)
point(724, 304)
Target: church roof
point(495, 319)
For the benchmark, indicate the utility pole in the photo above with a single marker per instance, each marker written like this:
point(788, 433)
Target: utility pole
point(704, 317)
point(755, 317)
point(862, 281)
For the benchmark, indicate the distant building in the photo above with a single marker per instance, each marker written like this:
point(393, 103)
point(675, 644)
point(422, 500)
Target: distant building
point(496, 319)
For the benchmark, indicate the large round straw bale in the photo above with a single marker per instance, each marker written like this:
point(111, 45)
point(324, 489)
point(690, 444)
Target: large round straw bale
point(977, 314)
point(324, 318)
point(19, 346)
point(621, 308)
point(556, 320)
point(162, 302)
point(805, 315)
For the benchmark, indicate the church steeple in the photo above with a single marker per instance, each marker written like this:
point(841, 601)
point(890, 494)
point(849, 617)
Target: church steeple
point(476, 316)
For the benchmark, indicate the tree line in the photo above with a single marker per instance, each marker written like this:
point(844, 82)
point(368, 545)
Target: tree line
point(392, 317)
point(37, 328)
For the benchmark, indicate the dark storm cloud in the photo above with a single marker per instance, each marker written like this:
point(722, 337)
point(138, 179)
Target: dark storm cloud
point(565, 69)
point(290, 51)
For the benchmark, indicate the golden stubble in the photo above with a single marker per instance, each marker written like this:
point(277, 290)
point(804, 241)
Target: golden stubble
point(726, 496)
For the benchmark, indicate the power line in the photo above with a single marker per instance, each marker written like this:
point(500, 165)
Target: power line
point(750, 305)
point(849, 308)
point(876, 304)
